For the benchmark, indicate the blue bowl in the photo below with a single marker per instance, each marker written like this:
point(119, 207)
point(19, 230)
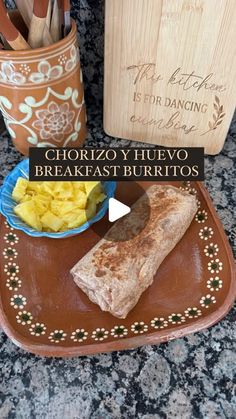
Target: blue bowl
point(7, 205)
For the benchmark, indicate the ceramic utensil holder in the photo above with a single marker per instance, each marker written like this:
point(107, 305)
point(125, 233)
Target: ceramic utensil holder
point(42, 95)
point(170, 69)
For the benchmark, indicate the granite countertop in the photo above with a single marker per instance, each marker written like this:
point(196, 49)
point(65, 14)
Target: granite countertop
point(192, 377)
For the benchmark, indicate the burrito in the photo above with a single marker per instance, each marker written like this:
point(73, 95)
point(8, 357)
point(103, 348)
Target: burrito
point(115, 272)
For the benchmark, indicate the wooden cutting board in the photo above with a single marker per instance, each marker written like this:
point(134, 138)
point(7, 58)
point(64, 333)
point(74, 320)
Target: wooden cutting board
point(170, 69)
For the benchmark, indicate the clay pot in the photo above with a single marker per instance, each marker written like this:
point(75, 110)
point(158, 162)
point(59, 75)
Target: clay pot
point(42, 96)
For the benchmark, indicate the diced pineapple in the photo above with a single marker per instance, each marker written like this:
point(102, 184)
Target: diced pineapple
point(28, 213)
point(80, 199)
point(57, 206)
point(64, 208)
point(66, 194)
point(20, 189)
point(63, 190)
point(76, 218)
point(40, 205)
point(48, 187)
point(26, 198)
point(93, 187)
point(78, 185)
point(34, 186)
point(64, 227)
point(82, 219)
point(71, 216)
point(45, 199)
point(51, 221)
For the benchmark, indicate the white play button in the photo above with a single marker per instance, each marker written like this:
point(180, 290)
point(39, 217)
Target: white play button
point(117, 210)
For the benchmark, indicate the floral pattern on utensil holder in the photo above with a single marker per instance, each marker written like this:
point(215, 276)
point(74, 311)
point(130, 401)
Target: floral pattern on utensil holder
point(42, 95)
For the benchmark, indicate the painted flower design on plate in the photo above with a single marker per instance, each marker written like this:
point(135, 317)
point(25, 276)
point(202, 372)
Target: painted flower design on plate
point(192, 191)
point(38, 329)
point(207, 300)
point(10, 253)
point(79, 335)
point(100, 334)
point(54, 122)
point(139, 328)
point(176, 318)
point(215, 266)
point(215, 284)
point(11, 269)
point(193, 312)
point(24, 317)
point(211, 250)
point(57, 336)
point(119, 331)
point(206, 233)
point(159, 323)
point(11, 238)
point(186, 184)
point(8, 226)
point(18, 301)
point(13, 283)
point(201, 216)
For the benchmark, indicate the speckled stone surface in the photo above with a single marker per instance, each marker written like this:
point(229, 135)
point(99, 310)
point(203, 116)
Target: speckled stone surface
point(193, 377)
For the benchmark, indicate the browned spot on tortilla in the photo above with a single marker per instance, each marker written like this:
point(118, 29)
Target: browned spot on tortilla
point(100, 273)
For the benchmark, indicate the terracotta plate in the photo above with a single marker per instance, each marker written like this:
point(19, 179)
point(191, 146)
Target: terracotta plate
point(44, 312)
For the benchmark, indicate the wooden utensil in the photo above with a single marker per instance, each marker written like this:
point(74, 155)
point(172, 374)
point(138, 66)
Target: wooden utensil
point(55, 28)
point(9, 31)
point(25, 8)
point(38, 23)
point(4, 43)
point(170, 69)
point(66, 14)
point(49, 14)
point(61, 15)
point(47, 38)
point(19, 22)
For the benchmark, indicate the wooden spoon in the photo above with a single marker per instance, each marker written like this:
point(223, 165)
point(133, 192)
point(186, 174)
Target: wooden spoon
point(4, 43)
point(38, 23)
point(67, 19)
point(9, 31)
point(49, 14)
point(25, 8)
point(55, 28)
point(47, 38)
